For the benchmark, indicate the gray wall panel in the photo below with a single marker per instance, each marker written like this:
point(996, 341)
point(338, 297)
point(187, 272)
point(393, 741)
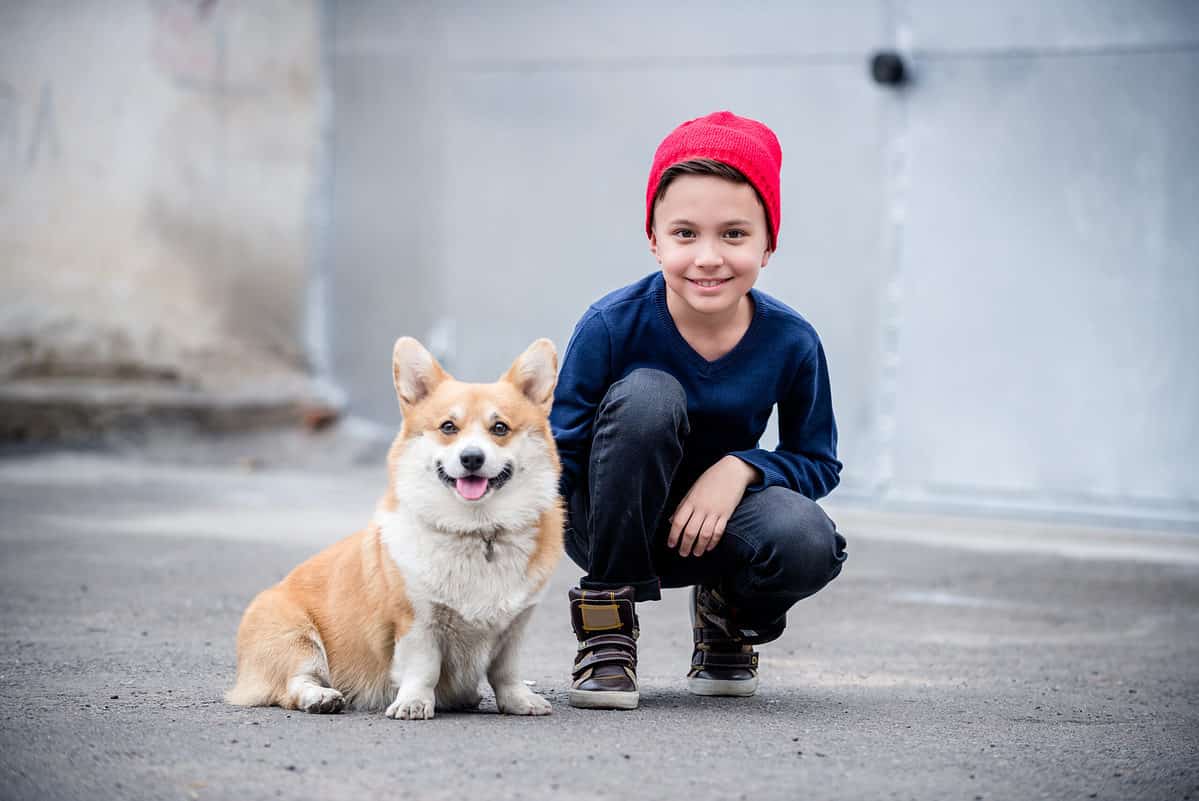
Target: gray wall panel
point(383, 248)
point(631, 34)
point(1060, 24)
point(1050, 284)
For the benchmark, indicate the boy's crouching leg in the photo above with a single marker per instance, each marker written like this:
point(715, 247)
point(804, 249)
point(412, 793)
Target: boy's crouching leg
point(647, 408)
point(640, 427)
point(790, 550)
point(786, 549)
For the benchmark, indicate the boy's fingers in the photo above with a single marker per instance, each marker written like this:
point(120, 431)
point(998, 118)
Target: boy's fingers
point(705, 536)
point(717, 533)
point(690, 533)
point(677, 521)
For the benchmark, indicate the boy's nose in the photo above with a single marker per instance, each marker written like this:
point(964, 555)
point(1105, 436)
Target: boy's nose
point(708, 256)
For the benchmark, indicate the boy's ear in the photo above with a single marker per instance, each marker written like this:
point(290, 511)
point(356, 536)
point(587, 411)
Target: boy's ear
point(653, 245)
point(415, 371)
point(535, 372)
point(766, 256)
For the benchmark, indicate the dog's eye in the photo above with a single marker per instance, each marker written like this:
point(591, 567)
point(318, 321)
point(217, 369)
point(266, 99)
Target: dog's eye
point(500, 429)
point(448, 427)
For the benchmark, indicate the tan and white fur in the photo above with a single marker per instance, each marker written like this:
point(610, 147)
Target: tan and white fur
point(411, 613)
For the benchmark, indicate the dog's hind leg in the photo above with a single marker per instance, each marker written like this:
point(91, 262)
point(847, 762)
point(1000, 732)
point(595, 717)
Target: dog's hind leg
point(308, 688)
point(281, 660)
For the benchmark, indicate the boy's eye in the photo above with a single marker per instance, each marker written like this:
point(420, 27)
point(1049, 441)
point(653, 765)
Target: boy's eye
point(685, 233)
point(736, 233)
point(500, 429)
point(448, 427)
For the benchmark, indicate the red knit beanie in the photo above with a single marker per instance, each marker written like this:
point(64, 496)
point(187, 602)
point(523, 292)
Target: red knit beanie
point(742, 143)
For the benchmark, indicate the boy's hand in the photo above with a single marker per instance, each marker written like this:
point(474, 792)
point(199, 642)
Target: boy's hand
point(698, 524)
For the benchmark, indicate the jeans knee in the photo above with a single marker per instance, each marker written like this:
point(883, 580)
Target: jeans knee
point(801, 551)
point(646, 403)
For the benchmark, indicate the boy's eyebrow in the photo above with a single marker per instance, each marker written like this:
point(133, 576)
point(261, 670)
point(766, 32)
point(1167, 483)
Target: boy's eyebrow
point(739, 221)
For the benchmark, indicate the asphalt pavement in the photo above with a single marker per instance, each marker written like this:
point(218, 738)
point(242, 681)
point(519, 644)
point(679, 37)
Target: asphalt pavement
point(956, 658)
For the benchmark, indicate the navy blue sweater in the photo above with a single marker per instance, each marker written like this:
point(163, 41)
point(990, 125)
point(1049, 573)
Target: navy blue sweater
point(779, 360)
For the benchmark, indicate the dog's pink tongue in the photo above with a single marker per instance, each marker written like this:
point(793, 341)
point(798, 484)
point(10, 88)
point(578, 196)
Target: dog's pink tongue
point(471, 487)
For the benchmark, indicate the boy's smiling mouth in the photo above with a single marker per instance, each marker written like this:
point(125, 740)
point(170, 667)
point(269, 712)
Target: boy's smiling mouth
point(709, 283)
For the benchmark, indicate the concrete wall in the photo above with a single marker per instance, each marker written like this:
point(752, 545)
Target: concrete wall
point(207, 202)
point(998, 255)
point(1047, 354)
point(159, 162)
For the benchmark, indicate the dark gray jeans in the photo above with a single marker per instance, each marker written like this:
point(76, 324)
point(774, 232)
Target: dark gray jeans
point(778, 547)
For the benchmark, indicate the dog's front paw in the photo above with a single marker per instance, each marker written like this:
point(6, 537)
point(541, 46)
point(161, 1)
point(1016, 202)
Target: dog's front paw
point(520, 700)
point(321, 700)
point(417, 708)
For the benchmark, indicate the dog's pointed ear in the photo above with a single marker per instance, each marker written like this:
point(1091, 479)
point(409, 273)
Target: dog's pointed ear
point(415, 371)
point(535, 372)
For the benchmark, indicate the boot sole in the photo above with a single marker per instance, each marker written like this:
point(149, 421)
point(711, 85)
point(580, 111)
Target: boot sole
point(601, 699)
point(733, 687)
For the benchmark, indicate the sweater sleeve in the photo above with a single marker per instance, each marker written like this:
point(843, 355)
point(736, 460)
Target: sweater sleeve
point(806, 457)
point(584, 378)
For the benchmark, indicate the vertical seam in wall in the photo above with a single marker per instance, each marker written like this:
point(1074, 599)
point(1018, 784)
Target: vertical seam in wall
point(320, 201)
point(897, 159)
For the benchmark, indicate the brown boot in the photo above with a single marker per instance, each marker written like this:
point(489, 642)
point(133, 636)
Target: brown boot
point(723, 663)
point(605, 669)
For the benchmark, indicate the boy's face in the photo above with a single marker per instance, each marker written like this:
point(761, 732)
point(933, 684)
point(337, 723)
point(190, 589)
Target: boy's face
point(710, 236)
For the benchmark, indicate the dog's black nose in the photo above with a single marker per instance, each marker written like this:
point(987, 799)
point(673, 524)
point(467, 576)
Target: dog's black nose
point(472, 458)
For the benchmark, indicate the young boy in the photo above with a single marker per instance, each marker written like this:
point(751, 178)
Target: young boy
point(665, 389)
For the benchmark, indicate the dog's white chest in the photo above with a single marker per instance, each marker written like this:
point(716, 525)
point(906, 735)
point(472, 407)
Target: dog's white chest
point(483, 580)
point(465, 595)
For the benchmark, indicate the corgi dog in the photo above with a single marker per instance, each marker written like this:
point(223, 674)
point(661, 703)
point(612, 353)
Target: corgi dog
point(409, 614)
